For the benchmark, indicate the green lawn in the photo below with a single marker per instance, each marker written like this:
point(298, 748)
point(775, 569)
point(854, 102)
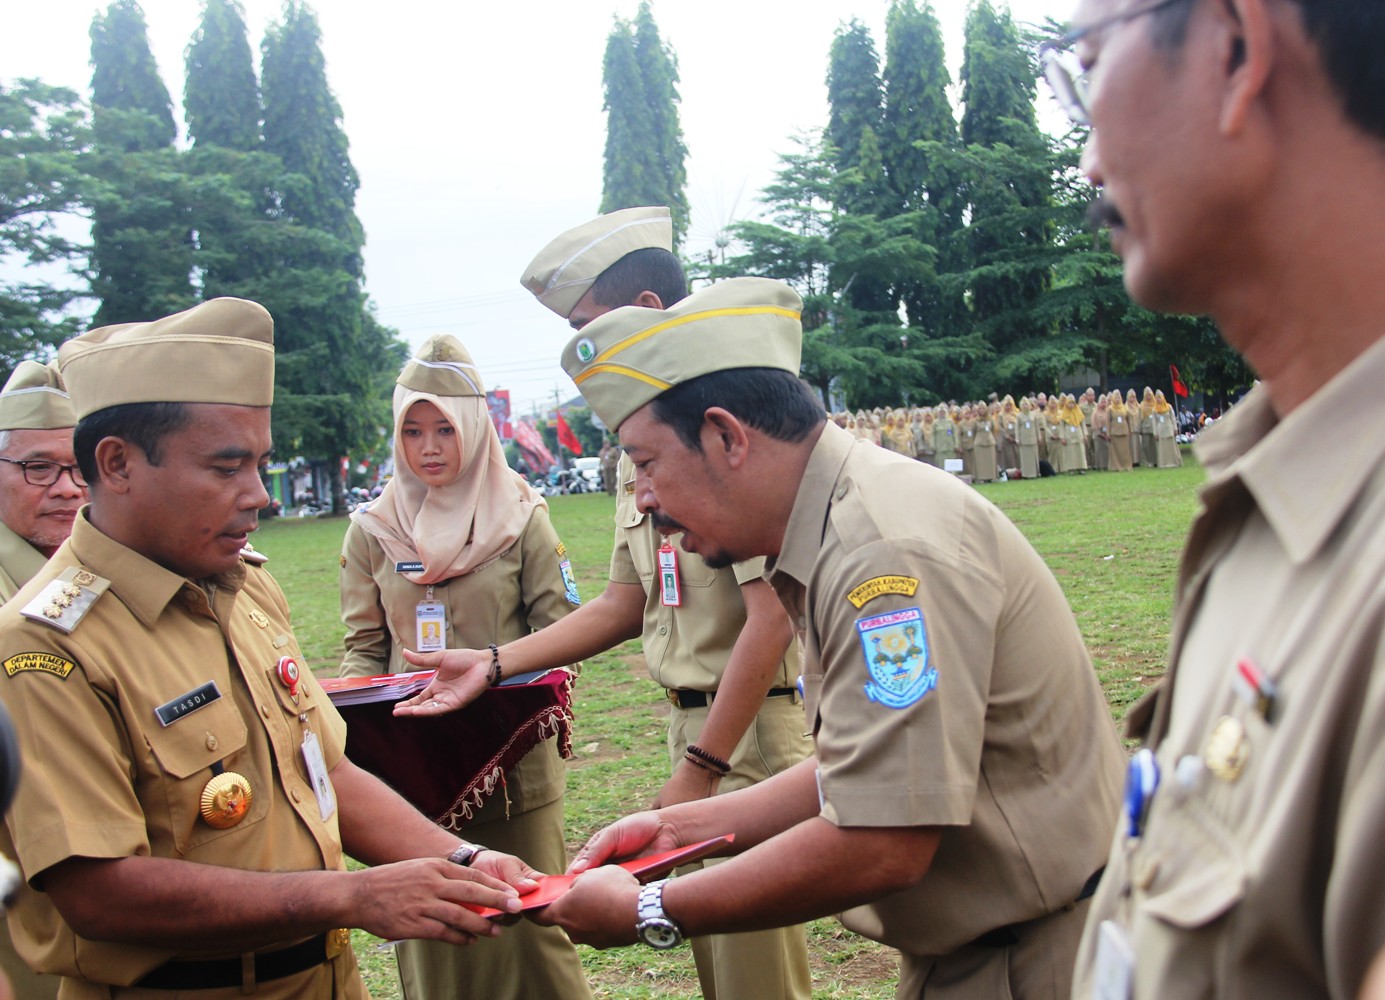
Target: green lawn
point(1111, 539)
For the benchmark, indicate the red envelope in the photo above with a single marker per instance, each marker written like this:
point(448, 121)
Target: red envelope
point(649, 867)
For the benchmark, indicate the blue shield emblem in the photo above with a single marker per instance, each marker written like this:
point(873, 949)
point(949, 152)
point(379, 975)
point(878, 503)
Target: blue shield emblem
point(896, 648)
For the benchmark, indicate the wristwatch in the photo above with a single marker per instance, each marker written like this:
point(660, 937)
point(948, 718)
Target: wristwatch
point(655, 927)
point(465, 854)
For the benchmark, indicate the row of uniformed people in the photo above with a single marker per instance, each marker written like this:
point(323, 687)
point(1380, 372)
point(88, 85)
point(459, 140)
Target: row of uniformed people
point(1072, 435)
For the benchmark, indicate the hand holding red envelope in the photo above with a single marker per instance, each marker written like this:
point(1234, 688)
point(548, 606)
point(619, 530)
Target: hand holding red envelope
point(648, 867)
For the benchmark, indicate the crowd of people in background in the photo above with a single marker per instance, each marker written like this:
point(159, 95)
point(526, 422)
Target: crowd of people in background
point(1041, 435)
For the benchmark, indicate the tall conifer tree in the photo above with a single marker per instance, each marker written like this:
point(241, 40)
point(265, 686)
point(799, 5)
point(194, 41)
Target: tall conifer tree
point(222, 97)
point(141, 234)
point(330, 346)
point(918, 131)
point(658, 69)
point(853, 98)
point(1009, 181)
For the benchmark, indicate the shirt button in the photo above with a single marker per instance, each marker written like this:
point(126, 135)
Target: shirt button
point(211, 742)
point(663, 630)
point(841, 492)
point(293, 794)
point(264, 710)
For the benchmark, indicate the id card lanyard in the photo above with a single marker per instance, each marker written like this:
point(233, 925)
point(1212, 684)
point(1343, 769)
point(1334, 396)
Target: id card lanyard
point(669, 593)
point(430, 624)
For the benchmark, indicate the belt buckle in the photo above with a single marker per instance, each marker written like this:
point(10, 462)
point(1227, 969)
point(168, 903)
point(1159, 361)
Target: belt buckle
point(672, 695)
point(338, 941)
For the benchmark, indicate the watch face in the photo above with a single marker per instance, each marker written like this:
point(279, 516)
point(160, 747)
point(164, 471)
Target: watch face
point(659, 933)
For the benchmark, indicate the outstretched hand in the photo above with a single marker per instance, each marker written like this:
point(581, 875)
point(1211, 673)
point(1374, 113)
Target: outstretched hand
point(460, 679)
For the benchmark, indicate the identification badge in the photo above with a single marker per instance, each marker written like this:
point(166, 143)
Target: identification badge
point(317, 774)
point(669, 593)
point(430, 620)
point(408, 567)
point(1115, 963)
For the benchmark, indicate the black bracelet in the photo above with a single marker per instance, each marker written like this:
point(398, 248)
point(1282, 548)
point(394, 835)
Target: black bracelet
point(721, 766)
point(493, 675)
point(699, 762)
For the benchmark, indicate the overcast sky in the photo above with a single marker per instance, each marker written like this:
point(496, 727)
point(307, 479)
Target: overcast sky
point(477, 130)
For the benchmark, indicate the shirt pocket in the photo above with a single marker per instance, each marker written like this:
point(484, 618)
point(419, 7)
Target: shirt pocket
point(1198, 873)
point(187, 753)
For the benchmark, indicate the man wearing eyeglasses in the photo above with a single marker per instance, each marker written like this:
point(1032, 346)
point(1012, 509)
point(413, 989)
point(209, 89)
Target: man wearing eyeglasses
point(1239, 148)
point(40, 492)
point(40, 485)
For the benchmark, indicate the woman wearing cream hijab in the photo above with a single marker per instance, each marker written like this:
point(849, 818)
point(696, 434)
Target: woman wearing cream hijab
point(1166, 453)
point(458, 552)
point(1120, 435)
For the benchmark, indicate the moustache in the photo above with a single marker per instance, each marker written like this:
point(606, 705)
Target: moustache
point(665, 524)
point(1101, 214)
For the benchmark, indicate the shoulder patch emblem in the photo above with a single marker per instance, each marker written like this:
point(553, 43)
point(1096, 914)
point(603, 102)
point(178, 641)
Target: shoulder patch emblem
point(65, 601)
point(343, 561)
point(561, 550)
point(896, 650)
point(569, 583)
point(877, 586)
point(47, 663)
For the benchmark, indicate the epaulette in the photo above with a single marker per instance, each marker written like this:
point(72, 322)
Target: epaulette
point(253, 557)
point(66, 600)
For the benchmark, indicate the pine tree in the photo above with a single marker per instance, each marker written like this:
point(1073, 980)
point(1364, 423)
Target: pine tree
point(1007, 174)
point(331, 348)
point(658, 68)
point(853, 97)
point(141, 232)
point(302, 126)
point(630, 172)
point(917, 108)
point(222, 97)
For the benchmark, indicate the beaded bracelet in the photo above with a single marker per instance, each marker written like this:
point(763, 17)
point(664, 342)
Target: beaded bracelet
point(712, 760)
point(699, 762)
point(493, 675)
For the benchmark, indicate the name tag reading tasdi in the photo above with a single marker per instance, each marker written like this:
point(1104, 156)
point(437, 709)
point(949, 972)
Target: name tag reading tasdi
point(408, 567)
point(185, 704)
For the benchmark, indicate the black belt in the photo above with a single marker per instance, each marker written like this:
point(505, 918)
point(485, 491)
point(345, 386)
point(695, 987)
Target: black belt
point(699, 699)
point(1004, 937)
point(212, 973)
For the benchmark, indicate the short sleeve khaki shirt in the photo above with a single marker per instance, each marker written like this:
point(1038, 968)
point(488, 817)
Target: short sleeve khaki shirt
point(948, 686)
point(686, 647)
point(1259, 870)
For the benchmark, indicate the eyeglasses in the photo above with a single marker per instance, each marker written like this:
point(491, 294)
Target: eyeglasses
point(46, 473)
point(1065, 74)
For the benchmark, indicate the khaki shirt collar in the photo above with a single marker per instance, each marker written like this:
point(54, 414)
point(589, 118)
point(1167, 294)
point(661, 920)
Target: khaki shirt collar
point(143, 586)
point(1304, 472)
point(808, 519)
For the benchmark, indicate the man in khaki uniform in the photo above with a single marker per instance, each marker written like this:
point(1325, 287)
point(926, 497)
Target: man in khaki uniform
point(958, 722)
point(41, 489)
point(721, 644)
point(186, 804)
point(1240, 152)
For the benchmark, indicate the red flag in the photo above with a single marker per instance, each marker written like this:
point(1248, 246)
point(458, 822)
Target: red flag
point(1179, 389)
point(569, 440)
point(535, 452)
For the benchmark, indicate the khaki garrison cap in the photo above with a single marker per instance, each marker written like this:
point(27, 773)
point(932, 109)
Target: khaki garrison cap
point(628, 356)
point(442, 367)
point(221, 351)
point(34, 400)
point(563, 271)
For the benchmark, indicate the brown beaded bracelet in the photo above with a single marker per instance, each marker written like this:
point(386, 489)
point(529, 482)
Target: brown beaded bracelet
point(710, 759)
point(493, 675)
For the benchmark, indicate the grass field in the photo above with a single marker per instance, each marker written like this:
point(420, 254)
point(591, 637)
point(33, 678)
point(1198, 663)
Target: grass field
point(1112, 540)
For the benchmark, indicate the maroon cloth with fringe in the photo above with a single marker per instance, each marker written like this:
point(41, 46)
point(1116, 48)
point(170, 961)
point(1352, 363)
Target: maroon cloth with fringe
point(448, 765)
